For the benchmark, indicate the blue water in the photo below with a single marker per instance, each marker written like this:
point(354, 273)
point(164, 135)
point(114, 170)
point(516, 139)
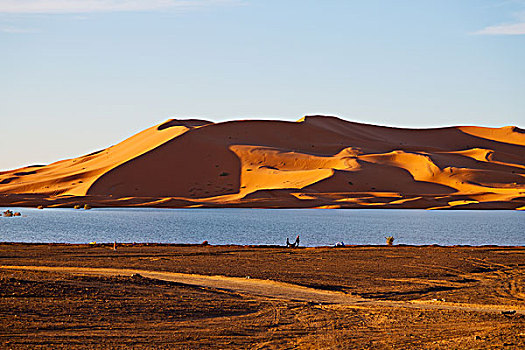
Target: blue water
point(316, 227)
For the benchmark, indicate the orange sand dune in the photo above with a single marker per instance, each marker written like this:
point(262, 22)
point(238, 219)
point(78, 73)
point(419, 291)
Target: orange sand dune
point(317, 161)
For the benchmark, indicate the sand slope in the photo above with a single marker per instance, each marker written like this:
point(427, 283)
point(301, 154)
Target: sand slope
point(317, 161)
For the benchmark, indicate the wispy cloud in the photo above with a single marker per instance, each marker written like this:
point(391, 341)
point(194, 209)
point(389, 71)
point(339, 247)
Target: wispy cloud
point(16, 30)
point(515, 28)
point(504, 29)
point(87, 6)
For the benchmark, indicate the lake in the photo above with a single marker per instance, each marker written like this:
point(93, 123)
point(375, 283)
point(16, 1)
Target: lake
point(316, 227)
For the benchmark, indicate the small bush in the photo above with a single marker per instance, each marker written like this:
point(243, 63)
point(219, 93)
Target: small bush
point(76, 207)
point(40, 207)
point(389, 240)
point(87, 207)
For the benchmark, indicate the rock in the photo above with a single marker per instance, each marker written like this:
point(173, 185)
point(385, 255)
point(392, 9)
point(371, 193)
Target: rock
point(509, 312)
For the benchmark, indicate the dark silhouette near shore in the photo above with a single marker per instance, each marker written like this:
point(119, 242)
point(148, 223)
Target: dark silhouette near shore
point(294, 244)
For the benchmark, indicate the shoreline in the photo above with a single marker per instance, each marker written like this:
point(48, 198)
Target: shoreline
point(375, 208)
point(365, 200)
point(257, 246)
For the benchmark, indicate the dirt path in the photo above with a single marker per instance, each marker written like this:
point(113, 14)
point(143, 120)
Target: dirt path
point(272, 289)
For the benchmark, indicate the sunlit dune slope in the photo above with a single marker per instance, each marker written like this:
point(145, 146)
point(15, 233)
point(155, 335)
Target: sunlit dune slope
point(317, 161)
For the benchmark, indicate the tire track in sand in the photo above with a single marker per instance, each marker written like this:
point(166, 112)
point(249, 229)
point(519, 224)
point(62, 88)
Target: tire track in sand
point(270, 289)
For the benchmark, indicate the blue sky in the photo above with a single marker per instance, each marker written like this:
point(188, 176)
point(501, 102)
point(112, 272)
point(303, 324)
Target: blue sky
point(80, 75)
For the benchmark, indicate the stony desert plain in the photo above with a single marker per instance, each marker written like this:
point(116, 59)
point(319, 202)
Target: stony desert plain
point(216, 297)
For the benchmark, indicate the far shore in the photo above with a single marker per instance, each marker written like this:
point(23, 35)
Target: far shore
point(44, 202)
